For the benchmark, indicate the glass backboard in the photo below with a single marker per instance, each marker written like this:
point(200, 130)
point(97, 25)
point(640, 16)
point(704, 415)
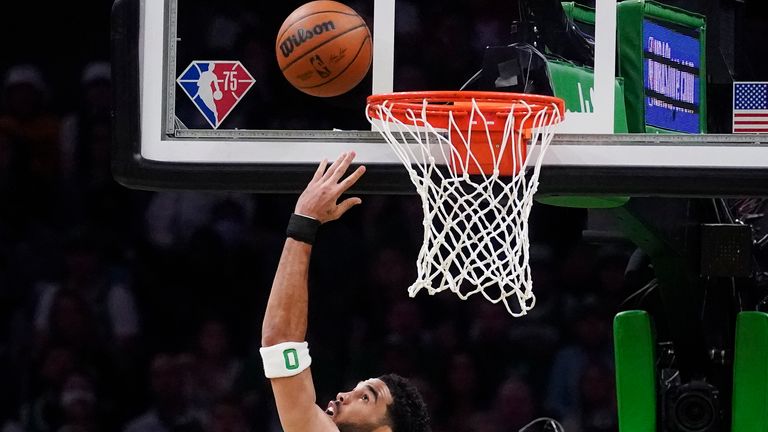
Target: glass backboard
point(650, 95)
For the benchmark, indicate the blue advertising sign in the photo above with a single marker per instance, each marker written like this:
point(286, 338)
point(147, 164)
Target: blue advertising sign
point(671, 78)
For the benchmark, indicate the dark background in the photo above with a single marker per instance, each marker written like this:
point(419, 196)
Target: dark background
point(122, 307)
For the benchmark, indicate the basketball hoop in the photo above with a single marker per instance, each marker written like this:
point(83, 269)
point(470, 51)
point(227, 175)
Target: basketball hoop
point(467, 154)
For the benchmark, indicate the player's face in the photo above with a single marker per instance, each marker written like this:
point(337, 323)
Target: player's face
point(363, 408)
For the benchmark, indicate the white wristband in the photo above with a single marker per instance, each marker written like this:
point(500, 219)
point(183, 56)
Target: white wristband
point(285, 359)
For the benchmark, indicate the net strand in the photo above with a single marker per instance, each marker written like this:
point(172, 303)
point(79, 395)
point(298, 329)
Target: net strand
point(475, 236)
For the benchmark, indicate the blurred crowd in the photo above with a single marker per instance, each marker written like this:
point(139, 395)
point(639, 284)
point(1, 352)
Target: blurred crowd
point(136, 311)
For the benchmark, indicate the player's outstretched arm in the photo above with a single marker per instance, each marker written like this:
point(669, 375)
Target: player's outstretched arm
point(285, 320)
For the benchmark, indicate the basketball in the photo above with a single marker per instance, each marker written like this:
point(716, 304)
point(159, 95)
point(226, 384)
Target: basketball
point(324, 48)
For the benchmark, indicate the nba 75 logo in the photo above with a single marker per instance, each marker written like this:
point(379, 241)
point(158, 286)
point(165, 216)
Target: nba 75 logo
point(215, 87)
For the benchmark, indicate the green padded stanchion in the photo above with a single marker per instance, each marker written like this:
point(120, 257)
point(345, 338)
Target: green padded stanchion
point(565, 79)
point(750, 373)
point(634, 345)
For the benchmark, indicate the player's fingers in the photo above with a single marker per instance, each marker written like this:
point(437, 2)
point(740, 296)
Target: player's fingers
point(346, 205)
point(342, 167)
point(320, 170)
point(352, 178)
point(334, 166)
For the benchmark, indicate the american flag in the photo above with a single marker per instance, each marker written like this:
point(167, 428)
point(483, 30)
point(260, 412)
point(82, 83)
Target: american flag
point(750, 107)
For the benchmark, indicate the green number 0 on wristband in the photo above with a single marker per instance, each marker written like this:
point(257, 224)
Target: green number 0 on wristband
point(291, 359)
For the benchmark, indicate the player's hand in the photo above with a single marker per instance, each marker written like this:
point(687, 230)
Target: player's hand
point(319, 199)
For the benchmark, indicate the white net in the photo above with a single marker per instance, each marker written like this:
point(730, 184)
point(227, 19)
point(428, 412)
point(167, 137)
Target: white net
point(475, 226)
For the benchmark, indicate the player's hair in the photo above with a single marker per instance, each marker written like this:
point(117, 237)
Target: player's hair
point(407, 412)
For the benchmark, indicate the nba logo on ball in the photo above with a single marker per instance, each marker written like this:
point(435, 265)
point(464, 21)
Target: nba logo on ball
point(215, 87)
point(324, 48)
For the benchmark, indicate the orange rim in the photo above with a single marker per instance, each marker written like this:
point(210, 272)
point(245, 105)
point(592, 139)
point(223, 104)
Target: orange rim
point(459, 103)
point(452, 111)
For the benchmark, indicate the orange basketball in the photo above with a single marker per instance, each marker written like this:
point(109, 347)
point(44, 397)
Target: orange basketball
point(324, 48)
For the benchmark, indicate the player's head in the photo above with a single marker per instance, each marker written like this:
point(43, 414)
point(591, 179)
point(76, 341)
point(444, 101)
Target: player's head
point(408, 412)
point(389, 402)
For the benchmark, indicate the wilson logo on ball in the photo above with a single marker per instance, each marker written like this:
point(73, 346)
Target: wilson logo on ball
point(323, 48)
point(302, 35)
